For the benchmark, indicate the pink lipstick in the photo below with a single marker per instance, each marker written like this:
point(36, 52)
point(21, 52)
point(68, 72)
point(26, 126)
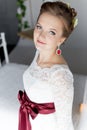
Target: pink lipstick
point(40, 42)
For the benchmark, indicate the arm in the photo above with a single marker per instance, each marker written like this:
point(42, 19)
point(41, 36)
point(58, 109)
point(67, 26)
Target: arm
point(62, 89)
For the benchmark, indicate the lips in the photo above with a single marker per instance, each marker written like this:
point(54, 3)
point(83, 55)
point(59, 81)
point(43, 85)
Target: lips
point(40, 42)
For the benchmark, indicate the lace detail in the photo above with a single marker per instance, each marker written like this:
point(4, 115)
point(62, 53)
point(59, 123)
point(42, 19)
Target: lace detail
point(63, 91)
point(60, 80)
point(45, 74)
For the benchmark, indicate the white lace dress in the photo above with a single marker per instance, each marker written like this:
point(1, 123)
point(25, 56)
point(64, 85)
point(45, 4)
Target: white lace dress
point(54, 84)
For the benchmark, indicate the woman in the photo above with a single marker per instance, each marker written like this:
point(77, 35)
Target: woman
point(48, 79)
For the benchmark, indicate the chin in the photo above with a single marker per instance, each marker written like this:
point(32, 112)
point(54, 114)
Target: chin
point(40, 48)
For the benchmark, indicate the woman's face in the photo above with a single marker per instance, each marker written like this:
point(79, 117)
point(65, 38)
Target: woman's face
point(48, 32)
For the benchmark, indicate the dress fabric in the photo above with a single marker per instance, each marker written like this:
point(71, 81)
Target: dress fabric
point(54, 84)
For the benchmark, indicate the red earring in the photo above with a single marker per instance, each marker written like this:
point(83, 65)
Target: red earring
point(58, 51)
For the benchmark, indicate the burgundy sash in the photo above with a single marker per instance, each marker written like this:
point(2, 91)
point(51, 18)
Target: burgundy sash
point(31, 108)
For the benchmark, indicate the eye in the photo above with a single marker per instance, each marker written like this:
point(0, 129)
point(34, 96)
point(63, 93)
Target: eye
point(38, 27)
point(52, 33)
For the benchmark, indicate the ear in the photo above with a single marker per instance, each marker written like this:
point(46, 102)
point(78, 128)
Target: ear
point(61, 41)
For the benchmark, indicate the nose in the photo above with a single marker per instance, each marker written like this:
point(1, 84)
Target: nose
point(42, 35)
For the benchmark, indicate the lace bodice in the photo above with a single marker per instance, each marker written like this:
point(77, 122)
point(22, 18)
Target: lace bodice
point(53, 84)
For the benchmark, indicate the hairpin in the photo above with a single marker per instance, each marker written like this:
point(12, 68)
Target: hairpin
point(75, 22)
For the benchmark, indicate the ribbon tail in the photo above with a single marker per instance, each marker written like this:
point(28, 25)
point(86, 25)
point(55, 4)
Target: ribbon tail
point(24, 123)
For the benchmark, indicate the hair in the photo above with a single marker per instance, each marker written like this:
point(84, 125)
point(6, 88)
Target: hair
point(63, 11)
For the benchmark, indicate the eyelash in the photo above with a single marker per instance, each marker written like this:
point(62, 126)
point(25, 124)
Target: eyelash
point(38, 27)
point(51, 32)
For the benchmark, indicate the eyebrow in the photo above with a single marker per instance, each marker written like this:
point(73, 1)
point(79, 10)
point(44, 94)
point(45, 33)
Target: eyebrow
point(38, 23)
point(53, 29)
point(50, 28)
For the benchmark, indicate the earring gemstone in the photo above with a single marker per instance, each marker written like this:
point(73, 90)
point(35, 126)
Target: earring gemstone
point(58, 51)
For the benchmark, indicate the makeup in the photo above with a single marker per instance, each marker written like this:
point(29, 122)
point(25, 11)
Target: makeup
point(40, 42)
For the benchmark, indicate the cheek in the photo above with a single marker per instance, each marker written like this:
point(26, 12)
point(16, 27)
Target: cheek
point(35, 35)
point(34, 38)
point(53, 40)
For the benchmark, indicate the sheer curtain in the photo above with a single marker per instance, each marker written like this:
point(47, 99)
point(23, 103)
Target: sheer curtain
point(83, 115)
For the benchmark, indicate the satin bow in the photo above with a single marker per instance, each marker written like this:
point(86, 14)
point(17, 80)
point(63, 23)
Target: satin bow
point(28, 107)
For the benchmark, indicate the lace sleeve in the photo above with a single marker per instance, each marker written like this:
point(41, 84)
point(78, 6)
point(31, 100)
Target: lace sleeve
point(62, 89)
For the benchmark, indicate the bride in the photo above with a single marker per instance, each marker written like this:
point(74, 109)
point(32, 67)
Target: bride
point(48, 81)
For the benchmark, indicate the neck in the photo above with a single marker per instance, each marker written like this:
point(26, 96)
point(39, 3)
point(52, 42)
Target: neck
point(45, 56)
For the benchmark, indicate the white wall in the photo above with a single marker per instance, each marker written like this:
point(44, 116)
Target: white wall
point(36, 8)
point(75, 49)
point(33, 8)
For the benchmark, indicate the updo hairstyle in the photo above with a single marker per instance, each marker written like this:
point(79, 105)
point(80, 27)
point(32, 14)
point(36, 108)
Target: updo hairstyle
point(62, 11)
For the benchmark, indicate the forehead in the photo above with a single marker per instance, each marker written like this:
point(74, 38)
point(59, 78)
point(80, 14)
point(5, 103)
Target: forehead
point(49, 20)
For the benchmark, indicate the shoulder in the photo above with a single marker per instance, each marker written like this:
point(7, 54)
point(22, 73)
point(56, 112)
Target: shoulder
point(61, 70)
point(61, 75)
